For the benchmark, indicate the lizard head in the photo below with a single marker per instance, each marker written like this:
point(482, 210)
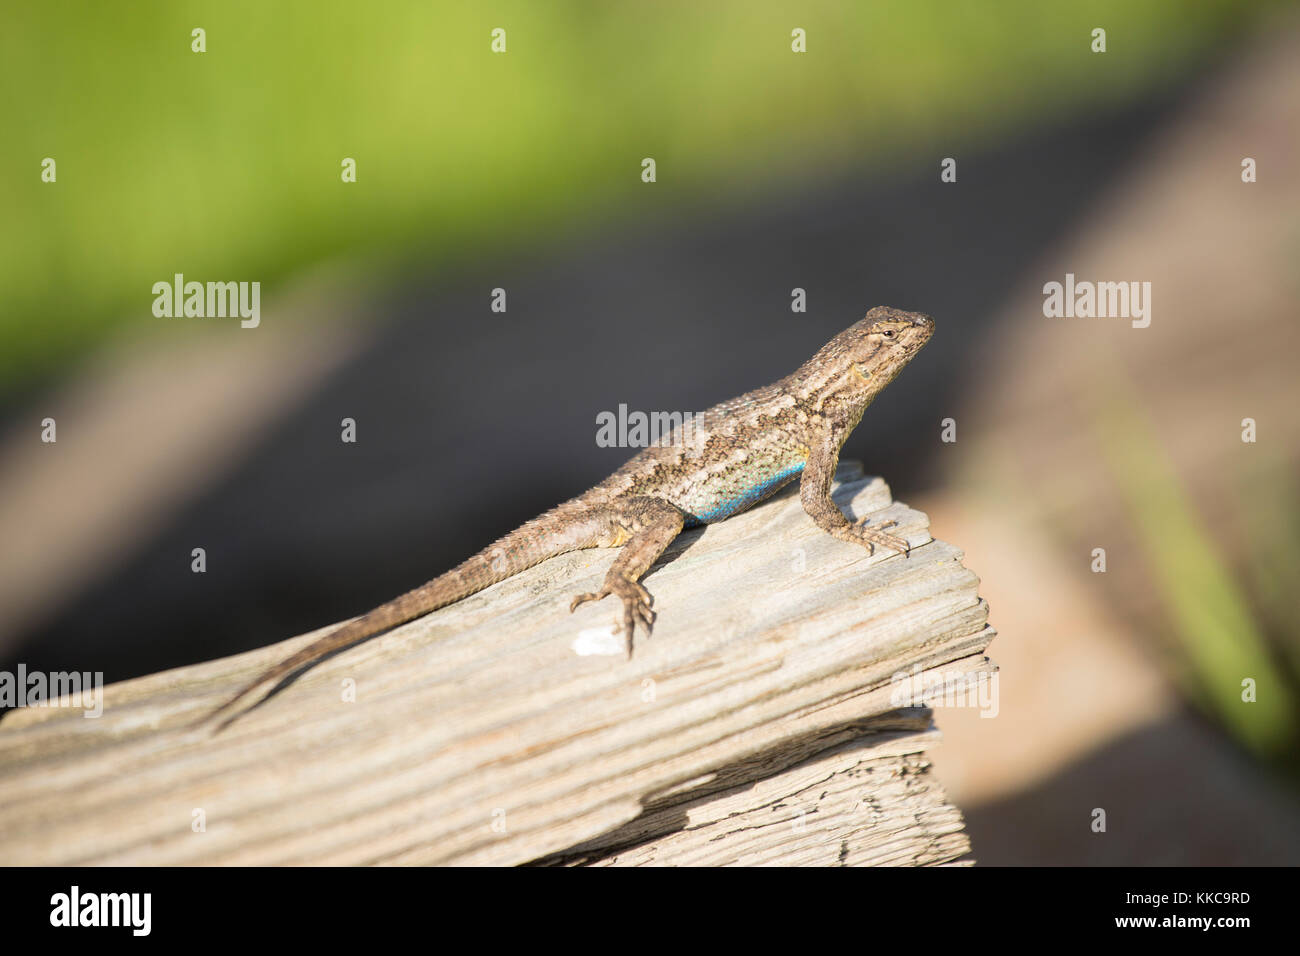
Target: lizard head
point(855, 365)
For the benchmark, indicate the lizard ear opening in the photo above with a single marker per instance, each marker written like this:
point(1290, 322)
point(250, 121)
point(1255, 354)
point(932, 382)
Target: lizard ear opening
point(862, 371)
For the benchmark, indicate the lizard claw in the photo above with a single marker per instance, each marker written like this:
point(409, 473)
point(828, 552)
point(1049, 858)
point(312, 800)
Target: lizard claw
point(636, 606)
point(581, 599)
point(871, 535)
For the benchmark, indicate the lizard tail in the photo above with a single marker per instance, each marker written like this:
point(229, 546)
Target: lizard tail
point(422, 600)
point(514, 553)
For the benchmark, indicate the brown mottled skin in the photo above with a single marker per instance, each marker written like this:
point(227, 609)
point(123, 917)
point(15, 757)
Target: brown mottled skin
point(742, 451)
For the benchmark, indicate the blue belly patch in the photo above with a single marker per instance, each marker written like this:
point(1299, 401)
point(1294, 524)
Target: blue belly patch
point(744, 499)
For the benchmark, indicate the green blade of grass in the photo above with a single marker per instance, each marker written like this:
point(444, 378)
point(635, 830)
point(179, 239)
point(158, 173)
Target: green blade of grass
point(1212, 619)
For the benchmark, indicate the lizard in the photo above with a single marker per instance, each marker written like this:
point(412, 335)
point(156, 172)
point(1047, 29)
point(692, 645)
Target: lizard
point(735, 455)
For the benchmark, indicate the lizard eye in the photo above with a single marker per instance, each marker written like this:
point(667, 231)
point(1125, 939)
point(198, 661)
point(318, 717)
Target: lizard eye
point(887, 333)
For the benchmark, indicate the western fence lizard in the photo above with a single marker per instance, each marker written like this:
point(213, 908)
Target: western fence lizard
point(735, 455)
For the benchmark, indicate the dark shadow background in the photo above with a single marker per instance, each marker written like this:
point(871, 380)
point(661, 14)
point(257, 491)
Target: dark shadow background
point(470, 422)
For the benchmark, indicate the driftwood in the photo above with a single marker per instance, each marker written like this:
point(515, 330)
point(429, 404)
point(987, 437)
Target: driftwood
point(760, 725)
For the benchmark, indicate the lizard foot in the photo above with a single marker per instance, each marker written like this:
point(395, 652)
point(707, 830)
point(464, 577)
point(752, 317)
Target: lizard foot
point(870, 536)
point(636, 605)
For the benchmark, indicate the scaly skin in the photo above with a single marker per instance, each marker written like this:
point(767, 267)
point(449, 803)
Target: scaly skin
point(741, 452)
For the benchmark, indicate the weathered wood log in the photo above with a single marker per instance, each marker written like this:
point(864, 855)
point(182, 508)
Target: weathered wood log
point(759, 725)
point(866, 802)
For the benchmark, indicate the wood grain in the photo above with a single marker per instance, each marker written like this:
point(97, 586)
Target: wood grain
point(480, 735)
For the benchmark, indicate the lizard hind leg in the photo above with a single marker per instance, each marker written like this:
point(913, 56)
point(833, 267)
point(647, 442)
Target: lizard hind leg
point(652, 523)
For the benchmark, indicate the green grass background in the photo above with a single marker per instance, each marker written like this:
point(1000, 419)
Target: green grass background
point(225, 165)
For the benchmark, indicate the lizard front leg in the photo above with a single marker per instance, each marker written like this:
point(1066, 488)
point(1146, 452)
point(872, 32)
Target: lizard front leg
point(815, 495)
point(652, 524)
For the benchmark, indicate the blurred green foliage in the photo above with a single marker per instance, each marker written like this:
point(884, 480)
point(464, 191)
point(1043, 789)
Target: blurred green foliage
point(225, 164)
point(1229, 625)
